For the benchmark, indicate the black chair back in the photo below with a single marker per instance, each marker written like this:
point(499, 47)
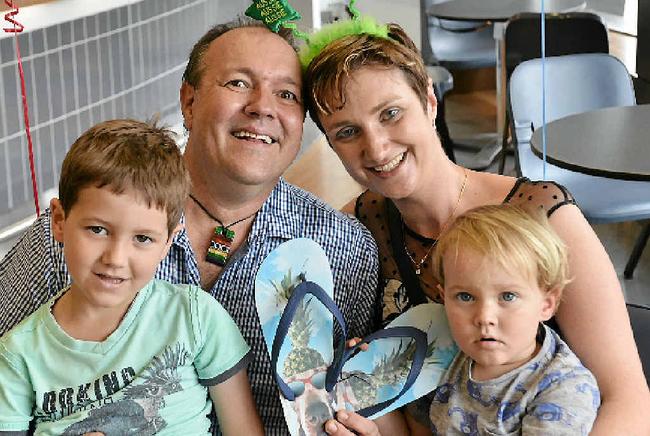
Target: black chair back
point(568, 33)
point(640, 320)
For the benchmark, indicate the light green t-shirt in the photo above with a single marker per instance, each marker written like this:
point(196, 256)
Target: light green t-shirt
point(149, 376)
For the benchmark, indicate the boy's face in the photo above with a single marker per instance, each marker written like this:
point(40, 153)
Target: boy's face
point(493, 312)
point(112, 245)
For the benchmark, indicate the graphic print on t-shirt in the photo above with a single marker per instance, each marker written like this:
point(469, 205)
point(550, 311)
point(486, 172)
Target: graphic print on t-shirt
point(132, 408)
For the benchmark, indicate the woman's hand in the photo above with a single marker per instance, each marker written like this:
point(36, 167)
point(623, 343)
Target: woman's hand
point(350, 423)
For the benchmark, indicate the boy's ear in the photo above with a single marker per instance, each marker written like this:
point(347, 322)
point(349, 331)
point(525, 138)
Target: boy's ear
point(57, 218)
point(171, 237)
point(550, 302)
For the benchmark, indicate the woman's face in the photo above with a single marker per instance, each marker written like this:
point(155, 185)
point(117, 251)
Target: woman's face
point(383, 135)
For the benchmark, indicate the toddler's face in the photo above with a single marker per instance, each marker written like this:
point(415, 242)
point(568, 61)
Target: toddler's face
point(493, 312)
point(112, 245)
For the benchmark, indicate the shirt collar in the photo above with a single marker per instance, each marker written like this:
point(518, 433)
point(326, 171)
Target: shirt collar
point(278, 217)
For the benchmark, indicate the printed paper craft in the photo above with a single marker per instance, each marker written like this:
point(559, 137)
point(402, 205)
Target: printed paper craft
point(273, 13)
point(293, 295)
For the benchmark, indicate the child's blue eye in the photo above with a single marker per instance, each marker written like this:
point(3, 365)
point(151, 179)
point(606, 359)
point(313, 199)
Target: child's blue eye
point(508, 296)
point(143, 239)
point(464, 296)
point(97, 230)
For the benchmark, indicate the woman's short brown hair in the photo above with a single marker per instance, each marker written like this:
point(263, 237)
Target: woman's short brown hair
point(326, 75)
point(127, 154)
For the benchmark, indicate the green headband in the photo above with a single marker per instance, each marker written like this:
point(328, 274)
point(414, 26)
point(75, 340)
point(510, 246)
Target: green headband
point(332, 32)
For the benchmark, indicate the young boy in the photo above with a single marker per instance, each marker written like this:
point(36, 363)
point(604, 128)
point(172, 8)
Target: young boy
point(502, 272)
point(117, 352)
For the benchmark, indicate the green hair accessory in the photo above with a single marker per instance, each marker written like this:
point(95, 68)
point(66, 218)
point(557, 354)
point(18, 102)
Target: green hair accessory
point(278, 13)
point(275, 14)
point(316, 42)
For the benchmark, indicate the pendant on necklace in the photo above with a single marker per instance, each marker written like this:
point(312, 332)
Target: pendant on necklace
point(220, 244)
point(417, 271)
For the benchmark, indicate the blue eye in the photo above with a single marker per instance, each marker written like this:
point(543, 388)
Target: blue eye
point(508, 296)
point(464, 296)
point(237, 83)
point(97, 230)
point(288, 95)
point(143, 239)
point(346, 133)
point(390, 114)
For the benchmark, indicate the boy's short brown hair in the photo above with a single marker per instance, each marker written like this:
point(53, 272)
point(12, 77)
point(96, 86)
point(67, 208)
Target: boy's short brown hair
point(325, 77)
point(512, 237)
point(123, 154)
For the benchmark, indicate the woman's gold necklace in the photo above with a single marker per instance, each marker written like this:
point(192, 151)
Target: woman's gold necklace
point(418, 265)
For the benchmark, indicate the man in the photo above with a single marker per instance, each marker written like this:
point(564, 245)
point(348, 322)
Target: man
point(242, 105)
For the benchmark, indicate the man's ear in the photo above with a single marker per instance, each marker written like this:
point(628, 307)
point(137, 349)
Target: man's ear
point(187, 94)
point(550, 303)
point(57, 219)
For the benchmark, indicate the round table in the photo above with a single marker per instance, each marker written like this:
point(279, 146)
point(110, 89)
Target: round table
point(612, 142)
point(498, 10)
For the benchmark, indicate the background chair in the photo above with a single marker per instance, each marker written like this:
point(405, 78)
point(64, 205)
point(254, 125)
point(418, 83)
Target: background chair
point(455, 45)
point(575, 83)
point(568, 33)
point(640, 321)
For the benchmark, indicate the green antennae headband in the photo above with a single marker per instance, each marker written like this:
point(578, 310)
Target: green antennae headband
point(332, 32)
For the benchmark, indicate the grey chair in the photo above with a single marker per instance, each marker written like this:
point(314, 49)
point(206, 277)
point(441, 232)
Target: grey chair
point(574, 84)
point(456, 45)
point(640, 321)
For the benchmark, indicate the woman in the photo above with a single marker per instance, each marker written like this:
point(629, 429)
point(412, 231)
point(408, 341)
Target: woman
point(370, 94)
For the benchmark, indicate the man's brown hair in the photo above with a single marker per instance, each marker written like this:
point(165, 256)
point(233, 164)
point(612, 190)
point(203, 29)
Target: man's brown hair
point(127, 154)
point(327, 74)
point(194, 69)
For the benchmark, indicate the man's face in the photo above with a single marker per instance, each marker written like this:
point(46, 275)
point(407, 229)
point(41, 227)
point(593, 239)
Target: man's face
point(245, 117)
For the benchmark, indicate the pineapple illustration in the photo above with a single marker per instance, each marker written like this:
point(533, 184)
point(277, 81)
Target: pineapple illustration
point(301, 358)
point(390, 370)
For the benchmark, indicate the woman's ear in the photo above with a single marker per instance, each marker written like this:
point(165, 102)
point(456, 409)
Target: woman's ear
point(57, 219)
point(432, 102)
